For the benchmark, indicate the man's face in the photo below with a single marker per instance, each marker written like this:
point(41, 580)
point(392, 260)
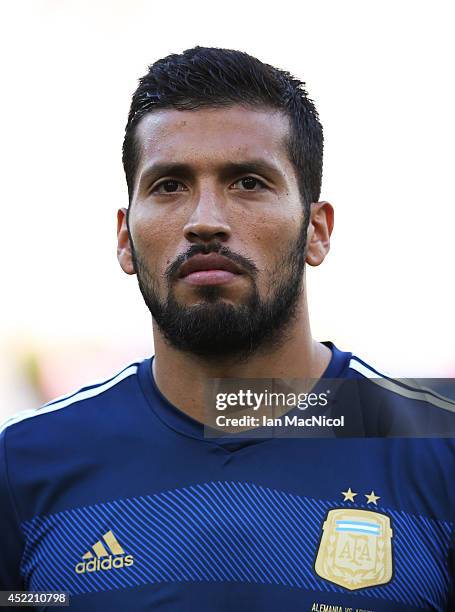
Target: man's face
point(216, 181)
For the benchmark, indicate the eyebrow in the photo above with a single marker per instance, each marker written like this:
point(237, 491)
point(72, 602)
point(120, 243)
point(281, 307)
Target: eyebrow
point(225, 171)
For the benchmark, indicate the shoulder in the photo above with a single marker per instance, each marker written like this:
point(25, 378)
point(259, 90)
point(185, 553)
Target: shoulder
point(415, 406)
point(75, 404)
point(399, 388)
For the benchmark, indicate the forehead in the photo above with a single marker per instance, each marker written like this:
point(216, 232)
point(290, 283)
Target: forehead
point(212, 135)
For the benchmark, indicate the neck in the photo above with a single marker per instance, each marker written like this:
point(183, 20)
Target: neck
point(181, 377)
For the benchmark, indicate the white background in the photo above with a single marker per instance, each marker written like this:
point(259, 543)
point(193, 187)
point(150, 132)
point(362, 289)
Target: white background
point(381, 74)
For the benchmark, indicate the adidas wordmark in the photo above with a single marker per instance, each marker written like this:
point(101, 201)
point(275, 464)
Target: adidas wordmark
point(107, 554)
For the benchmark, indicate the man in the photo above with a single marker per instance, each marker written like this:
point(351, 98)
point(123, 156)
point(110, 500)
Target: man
point(118, 495)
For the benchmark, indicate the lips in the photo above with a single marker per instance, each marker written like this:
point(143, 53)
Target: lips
point(213, 261)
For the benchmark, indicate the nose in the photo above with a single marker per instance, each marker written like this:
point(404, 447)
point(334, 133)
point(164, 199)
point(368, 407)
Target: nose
point(207, 222)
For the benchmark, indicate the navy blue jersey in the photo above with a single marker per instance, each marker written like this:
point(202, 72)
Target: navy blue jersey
point(114, 495)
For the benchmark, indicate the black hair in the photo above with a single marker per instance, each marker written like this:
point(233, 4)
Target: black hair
point(211, 77)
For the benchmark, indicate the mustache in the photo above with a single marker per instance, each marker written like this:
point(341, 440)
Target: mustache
point(204, 249)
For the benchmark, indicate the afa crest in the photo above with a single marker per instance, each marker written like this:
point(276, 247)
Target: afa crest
point(355, 549)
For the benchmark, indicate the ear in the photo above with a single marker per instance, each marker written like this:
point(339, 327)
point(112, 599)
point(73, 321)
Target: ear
point(319, 230)
point(124, 255)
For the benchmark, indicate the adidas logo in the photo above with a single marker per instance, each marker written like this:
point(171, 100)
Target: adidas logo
point(107, 554)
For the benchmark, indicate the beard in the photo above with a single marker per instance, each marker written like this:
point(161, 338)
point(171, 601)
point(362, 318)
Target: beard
point(215, 328)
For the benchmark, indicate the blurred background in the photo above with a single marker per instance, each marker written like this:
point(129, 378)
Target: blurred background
point(381, 74)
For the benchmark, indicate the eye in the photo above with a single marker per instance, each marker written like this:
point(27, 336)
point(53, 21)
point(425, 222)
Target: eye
point(248, 183)
point(169, 186)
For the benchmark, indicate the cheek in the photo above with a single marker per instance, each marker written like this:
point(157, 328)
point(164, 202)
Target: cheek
point(155, 241)
point(272, 237)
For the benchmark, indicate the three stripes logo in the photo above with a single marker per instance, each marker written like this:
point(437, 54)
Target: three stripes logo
point(107, 554)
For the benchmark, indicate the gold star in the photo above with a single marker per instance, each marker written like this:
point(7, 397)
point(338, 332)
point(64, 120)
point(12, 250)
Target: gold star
point(372, 498)
point(348, 495)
